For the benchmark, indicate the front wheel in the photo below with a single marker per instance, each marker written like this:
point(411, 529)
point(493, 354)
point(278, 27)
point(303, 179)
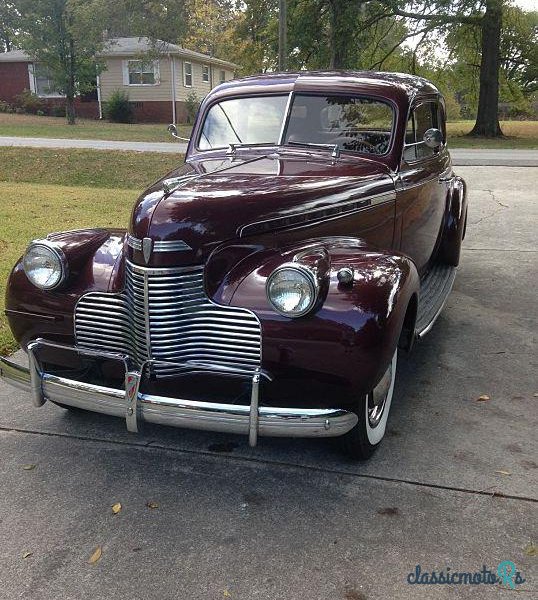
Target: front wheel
point(373, 411)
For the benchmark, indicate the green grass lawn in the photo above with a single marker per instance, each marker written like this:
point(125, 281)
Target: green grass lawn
point(42, 191)
point(518, 134)
point(99, 168)
point(85, 129)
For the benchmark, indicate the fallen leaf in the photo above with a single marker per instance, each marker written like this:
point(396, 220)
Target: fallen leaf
point(503, 472)
point(152, 504)
point(535, 395)
point(227, 594)
point(116, 508)
point(27, 554)
point(28, 467)
point(96, 555)
point(391, 511)
point(531, 549)
point(483, 398)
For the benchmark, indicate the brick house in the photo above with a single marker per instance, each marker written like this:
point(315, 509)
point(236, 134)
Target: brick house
point(157, 86)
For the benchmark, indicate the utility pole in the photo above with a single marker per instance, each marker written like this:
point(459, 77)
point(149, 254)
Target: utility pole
point(282, 36)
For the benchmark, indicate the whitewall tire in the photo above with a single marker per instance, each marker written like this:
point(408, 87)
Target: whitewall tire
point(373, 413)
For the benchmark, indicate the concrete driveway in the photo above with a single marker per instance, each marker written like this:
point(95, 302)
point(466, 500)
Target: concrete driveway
point(453, 486)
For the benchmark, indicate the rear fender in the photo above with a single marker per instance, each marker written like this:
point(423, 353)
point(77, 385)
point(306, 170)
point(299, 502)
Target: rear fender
point(455, 222)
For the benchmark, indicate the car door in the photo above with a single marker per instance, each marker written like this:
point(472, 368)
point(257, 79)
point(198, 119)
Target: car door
point(422, 185)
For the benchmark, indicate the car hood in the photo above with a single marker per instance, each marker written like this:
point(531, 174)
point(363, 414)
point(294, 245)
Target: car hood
point(207, 202)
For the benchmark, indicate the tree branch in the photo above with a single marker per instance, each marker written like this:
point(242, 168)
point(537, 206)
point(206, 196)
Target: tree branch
point(441, 18)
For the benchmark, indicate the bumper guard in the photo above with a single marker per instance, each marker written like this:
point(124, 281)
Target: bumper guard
point(132, 405)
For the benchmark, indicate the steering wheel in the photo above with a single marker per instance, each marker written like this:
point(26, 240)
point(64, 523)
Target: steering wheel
point(366, 144)
point(354, 142)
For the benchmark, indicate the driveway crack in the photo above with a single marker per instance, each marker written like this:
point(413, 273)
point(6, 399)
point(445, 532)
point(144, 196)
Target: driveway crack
point(492, 214)
point(275, 463)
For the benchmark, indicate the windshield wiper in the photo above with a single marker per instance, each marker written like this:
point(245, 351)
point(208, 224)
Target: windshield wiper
point(334, 147)
point(233, 147)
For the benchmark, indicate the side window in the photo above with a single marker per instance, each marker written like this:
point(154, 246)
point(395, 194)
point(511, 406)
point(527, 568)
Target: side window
point(424, 117)
point(410, 150)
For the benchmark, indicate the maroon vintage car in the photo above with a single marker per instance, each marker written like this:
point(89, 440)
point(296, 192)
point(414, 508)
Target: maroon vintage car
point(265, 286)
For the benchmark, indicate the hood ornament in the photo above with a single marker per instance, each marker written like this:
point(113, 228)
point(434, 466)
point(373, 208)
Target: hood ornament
point(147, 248)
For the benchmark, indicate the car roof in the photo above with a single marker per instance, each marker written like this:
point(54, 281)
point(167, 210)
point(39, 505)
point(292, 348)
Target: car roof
point(401, 85)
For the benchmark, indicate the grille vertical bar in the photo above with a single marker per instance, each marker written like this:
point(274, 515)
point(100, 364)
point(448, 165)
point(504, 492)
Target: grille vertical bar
point(166, 315)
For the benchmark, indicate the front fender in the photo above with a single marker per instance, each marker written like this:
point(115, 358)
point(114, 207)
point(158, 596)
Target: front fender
point(351, 335)
point(94, 260)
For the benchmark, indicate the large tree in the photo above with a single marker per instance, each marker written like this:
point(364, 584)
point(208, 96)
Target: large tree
point(9, 19)
point(63, 38)
point(156, 19)
point(487, 16)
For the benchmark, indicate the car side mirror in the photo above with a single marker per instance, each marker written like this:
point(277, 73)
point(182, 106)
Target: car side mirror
point(433, 138)
point(172, 129)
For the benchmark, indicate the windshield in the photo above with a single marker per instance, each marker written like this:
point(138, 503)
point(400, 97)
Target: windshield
point(352, 123)
point(254, 120)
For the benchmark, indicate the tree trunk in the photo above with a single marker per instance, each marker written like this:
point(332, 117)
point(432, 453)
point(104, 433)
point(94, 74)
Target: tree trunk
point(337, 35)
point(71, 86)
point(487, 119)
point(70, 109)
point(283, 36)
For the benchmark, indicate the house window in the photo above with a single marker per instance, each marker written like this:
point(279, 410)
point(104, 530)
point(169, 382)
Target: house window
point(222, 77)
point(205, 73)
point(187, 74)
point(142, 72)
point(43, 83)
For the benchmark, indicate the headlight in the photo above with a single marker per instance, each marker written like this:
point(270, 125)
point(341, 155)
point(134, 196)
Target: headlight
point(292, 290)
point(44, 265)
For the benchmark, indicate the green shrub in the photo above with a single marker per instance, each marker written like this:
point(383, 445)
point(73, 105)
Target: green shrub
point(57, 110)
point(30, 103)
point(453, 108)
point(5, 107)
point(118, 109)
point(192, 104)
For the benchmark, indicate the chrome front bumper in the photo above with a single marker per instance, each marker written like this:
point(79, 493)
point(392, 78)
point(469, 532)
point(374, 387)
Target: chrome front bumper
point(253, 420)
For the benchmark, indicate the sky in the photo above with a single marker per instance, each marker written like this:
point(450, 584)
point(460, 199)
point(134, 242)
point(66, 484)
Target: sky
point(527, 4)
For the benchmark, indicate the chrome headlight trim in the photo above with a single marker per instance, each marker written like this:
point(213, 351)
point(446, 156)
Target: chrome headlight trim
point(57, 253)
point(311, 278)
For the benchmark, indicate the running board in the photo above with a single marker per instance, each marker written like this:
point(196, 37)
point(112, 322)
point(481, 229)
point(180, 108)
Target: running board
point(434, 291)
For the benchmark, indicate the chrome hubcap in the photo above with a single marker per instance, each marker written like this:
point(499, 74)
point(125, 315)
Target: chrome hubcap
point(377, 398)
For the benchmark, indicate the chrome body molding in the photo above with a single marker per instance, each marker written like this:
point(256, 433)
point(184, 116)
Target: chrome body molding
point(158, 245)
point(309, 217)
point(165, 314)
point(252, 420)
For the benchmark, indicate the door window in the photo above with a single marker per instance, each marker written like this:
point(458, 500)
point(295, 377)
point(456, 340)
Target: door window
point(423, 117)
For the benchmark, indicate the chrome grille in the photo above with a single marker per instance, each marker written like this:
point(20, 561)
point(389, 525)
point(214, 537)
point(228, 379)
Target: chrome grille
point(165, 314)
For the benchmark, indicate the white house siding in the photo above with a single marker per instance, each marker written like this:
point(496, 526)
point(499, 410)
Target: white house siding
point(199, 86)
point(112, 79)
